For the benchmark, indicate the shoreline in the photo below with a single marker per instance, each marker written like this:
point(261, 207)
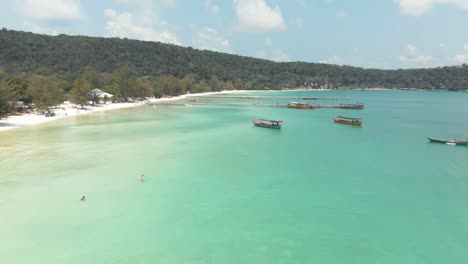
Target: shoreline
point(67, 110)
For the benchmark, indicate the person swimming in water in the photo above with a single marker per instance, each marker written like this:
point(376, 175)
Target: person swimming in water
point(142, 178)
point(83, 198)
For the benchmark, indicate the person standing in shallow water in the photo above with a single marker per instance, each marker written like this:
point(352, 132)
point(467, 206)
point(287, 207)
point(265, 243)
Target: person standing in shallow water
point(142, 178)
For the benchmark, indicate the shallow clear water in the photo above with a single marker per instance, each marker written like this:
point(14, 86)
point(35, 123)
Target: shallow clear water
point(313, 192)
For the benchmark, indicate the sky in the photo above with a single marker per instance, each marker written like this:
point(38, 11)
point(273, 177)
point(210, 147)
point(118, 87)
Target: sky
point(386, 34)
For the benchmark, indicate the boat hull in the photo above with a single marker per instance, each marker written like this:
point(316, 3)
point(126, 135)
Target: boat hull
point(449, 142)
point(347, 122)
point(358, 107)
point(301, 106)
point(266, 125)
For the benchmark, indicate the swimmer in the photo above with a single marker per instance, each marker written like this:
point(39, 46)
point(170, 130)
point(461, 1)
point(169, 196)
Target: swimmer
point(142, 178)
point(83, 198)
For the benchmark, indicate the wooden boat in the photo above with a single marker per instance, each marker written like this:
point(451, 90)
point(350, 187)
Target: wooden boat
point(268, 123)
point(348, 120)
point(352, 106)
point(300, 105)
point(449, 142)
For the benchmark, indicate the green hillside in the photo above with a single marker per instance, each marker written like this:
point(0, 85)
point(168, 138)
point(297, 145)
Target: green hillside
point(65, 57)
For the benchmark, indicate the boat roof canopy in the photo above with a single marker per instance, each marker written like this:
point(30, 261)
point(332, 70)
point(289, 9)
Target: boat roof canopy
point(276, 121)
point(349, 118)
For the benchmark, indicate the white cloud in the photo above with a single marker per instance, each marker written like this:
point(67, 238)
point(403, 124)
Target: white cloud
point(213, 8)
point(209, 39)
point(277, 55)
point(461, 58)
point(417, 59)
point(412, 49)
point(261, 54)
point(258, 16)
point(30, 27)
point(332, 60)
point(146, 11)
point(67, 10)
point(413, 56)
point(423, 59)
point(150, 4)
point(280, 55)
point(122, 25)
point(421, 7)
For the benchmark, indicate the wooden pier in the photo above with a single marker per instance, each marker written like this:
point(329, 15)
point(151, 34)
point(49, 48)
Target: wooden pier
point(273, 105)
point(255, 97)
point(250, 101)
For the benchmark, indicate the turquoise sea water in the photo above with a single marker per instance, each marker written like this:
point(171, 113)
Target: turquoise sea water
point(313, 192)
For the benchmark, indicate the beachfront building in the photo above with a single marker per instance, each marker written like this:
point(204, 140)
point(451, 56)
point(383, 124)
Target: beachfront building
point(101, 95)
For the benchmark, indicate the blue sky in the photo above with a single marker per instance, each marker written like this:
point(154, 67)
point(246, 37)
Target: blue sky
point(367, 33)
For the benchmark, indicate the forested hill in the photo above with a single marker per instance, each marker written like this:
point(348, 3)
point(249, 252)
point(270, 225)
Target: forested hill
point(66, 56)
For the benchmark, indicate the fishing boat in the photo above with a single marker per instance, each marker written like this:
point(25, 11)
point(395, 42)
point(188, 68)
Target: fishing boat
point(455, 142)
point(268, 123)
point(351, 106)
point(348, 120)
point(300, 105)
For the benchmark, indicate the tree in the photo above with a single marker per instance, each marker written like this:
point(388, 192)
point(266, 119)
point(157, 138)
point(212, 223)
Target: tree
point(248, 86)
point(2, 73)
point(238, 84)
point(171, 85)
point(5, 107)
point(125, 78)
point(45, 91)
point(114, 89)
point(93, 78)
point(157, 92)
point(110, 85)
point(189, 81)
point(201, 87)
point(81, 93)
point(141, 88)
point(228, 86)
point(18, 87)
point(215, 83)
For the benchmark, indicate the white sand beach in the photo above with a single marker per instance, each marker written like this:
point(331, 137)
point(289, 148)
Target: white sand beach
point(68, 110)
point(64, 110)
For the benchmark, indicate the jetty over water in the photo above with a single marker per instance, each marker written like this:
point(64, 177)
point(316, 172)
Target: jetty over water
point(254, 101)
point(227, 104)
point(264, 97)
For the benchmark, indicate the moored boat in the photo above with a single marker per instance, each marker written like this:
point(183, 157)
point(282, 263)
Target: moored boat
point(268, 123)
point(351, 106)
point(449, 142)
point(348, 120)
point(300, 105)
